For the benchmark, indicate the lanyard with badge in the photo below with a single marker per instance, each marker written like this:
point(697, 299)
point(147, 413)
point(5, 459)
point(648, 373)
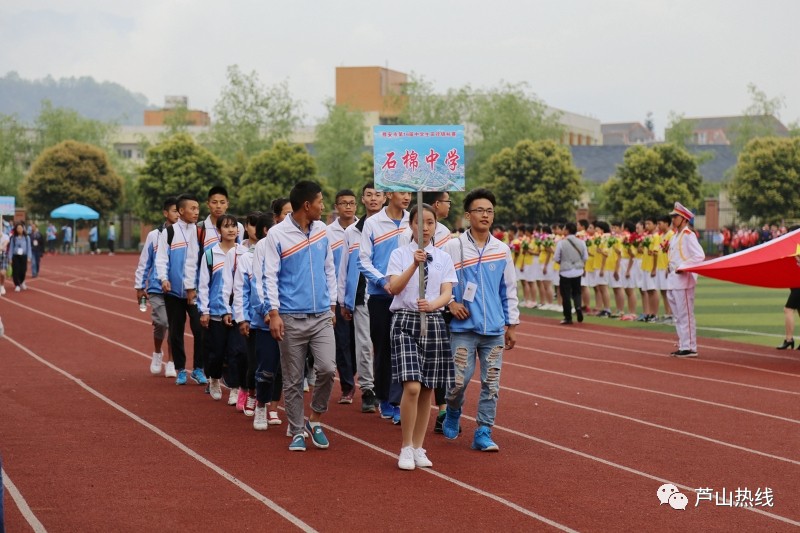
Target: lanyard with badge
point(472, 288)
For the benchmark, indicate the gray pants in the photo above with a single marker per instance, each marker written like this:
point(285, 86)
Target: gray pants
point(300, 335)
point(158, 312)
point(364, 353)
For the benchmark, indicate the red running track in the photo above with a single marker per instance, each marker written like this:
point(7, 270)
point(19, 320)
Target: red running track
point(592, 420)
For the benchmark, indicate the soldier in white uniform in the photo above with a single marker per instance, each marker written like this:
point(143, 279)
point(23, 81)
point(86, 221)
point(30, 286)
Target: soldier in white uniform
point(684, 251)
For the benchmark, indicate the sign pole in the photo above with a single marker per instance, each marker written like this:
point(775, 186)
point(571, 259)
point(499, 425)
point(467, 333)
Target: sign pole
point(423, 319)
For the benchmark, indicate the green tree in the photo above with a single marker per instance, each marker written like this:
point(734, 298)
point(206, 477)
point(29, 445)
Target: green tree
point(175, 166)
point(15, 149)
point(249, 117)
point(494, 119)
point(366, 169)
point(339, 145)
point(767, 179)
point(758, 119)
point(272, 174)
point(650, 180)
point(72, 172)
point(54, 125)
point(535, 181)
point(679, 131)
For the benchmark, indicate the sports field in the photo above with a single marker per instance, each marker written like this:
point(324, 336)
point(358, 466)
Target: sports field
point(596, 425)
point(724, 311)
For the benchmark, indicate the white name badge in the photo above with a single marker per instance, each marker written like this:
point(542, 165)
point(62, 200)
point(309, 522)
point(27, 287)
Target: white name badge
point(469, 291)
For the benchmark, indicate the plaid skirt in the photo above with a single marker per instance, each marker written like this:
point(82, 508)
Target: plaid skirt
point(425, 359)
point(3, 261)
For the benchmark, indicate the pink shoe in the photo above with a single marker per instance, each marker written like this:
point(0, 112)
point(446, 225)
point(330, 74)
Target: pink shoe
point(241, 400)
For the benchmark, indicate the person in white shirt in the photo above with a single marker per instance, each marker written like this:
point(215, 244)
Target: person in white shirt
point(421, 358)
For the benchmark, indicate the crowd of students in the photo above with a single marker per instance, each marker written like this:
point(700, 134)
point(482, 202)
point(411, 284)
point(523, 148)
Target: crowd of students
point(285, 299)
point(625, 272)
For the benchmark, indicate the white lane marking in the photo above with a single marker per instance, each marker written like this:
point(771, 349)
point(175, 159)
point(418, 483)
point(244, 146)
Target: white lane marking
point(22, 505)
point(172, 440)
point(658, 370)
point(651, 391)
point(106, 294)
point(650, 424)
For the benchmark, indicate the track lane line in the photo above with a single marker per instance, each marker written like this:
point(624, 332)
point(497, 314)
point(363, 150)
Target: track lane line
point(22, 505)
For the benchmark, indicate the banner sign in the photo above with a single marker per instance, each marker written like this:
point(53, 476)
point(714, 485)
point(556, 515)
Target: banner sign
point(7, 204)
point(419, 158)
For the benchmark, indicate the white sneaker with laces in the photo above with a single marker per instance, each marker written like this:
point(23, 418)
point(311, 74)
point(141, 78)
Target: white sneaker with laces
point(420, 459)
point(24, 287)
point(260, 420)
point(155, 363)
point(250, 406)
point(16, 289)
point(214, 389)
point(233, 395)
point(274, 419)
point(406, 461)
point(169, 372)
point(2, 290)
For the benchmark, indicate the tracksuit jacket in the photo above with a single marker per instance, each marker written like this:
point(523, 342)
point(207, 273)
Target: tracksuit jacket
point(243, 288)
point(293, 271)
point(210, 298)
point(379, 238)
point(492, 269)
point(145, 276)
point(178, 262)
point(349, 271)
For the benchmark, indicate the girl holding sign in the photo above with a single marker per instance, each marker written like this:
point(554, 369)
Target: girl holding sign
point(421, 361)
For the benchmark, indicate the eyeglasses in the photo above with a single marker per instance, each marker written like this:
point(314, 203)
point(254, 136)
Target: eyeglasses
point(347, 204)
point(448, 202)
point(482, 211)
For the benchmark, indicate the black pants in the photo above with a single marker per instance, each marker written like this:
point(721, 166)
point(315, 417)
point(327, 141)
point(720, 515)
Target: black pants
point(224, 345)
point(344, 332)
point(570, 293)
point(19, 265)
point(110, 246)
point(380, 329)
point(177, 309)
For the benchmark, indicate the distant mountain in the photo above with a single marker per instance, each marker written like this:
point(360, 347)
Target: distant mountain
point(108, 102)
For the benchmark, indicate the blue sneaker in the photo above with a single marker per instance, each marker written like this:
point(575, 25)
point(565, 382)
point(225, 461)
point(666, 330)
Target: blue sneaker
point(181, 379)
point(386, 409)
point(298, 444)
point(483, 440)
point(396, 416)
point(317, 435)
point(450, 426)
point(199, 377)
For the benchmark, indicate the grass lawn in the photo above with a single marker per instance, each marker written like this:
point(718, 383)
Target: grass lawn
point(723, 310)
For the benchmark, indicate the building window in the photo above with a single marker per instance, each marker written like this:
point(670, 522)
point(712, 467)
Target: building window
point(125, 153)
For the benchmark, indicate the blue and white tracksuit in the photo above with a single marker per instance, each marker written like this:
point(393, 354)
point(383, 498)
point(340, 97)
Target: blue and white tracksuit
point(481, 336)
point(145, 276)
point(343, 329)
point(379, 238)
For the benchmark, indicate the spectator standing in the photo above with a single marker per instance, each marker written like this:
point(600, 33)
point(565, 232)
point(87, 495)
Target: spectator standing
point(93, 239)
point(37, 245)
point(20, 248)
point(112, 237)
point(66, 246)
point(52, 237)
point(571, 256)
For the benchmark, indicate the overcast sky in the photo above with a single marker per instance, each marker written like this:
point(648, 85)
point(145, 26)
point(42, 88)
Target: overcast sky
point(614, 60)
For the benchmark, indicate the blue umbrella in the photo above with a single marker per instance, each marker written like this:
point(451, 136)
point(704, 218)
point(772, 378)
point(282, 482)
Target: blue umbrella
point(74, 212)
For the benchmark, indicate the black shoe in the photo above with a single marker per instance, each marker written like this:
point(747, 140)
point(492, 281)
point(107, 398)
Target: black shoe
point(579, 314)
point(368, 401)
point(437, 427)
point(788, 344)
point(684, 353)
point(565, 322)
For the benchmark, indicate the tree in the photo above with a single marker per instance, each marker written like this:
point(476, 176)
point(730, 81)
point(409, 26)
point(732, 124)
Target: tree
point(175, 166)
point(758, 119)
point(649, 123)
point(15, 150)
point(767, 179)
point(494, 119)
point(535, 181)
point(650, 180)
point(679, 131)
point(249, 117)
point(366, 169)
point(72, 172)
point(272, 174)
point(54, 125)
point(339, 145)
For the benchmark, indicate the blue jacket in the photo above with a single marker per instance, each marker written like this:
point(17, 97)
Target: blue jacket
point(492, 269)
point(295, 269)
point(172, 261)
point(210, 299)
point(349, 271)
point(145, 276)
point(379, 238)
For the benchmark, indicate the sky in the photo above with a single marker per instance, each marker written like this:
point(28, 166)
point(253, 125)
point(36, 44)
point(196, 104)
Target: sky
point(614, 60)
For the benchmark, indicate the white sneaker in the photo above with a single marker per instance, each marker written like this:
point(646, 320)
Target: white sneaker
point(2, 290)
point(233, 395)
point(214, 389)
point(24, 287)
point(250, 406)
point(274, 419)
point(16, 289)
point(155, 364)
point(420, 459)
point(2, 329)
point(169, 372)
point(406, 461)
point(305, 385)
point(260, 420)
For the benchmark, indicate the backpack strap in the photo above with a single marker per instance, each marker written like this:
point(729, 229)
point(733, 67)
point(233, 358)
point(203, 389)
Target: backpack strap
point(170, 234)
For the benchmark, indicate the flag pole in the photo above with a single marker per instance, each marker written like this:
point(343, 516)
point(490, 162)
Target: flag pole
point(423, 319)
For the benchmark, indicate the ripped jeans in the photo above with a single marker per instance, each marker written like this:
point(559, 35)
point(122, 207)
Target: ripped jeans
point(467, 349)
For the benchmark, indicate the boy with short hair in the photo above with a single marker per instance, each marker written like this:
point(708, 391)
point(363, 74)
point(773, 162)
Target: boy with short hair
point(176, 268)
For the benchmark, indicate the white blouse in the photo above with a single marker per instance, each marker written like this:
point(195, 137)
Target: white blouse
point(440, 270)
